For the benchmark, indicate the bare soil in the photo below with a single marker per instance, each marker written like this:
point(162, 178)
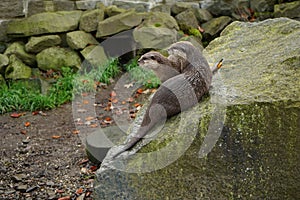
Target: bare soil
point(42, 155)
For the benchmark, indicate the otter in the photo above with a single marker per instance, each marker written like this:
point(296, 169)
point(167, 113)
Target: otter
point(162, 67)
point(178, 92)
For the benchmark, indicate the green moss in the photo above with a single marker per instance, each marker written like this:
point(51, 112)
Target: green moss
point(195, 32)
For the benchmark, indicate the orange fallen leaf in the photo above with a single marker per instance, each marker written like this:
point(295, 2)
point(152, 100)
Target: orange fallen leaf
point(56, 136)
point(94, 125)
point(64, 198)
point(27, 124)
point(85, 102)
point(23, 132)
point(137, 105)
point(140, 91)
point(16, 115)
point(89, 118)
point(123, 102)
point(83, 161)
point(107, 119)
point(76, 132)
point(79, 191)
point(153, 90)
point(133, 115)
point(35, 112)
point(60, 191)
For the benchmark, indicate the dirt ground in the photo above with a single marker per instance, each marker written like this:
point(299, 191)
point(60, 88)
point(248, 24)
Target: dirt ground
point(42, 155)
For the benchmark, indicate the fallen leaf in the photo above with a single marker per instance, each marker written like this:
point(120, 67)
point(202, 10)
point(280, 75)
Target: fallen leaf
point(85, 102)
point(94, 125)
point(23, 132)
point(60, 191)
point(89, 118)
point(83, 161)
point(113, 94)
point(81, 110)
point(35, 112)
point(84, 94)
point(79, 191)
point(128, 85)
point(88, 194)
point(114, 100)
point(123, 102)
point(108, 119)
point(137, 105)
point(146, 91)
point(15, 115)
point(153, 90)
point(130, 99)
point(93, 168)
point(76, 132)
point(42, 113)
point(140, 91)
point(27, 124)
point(133, 115)
point(64, 198)
point(56, 136)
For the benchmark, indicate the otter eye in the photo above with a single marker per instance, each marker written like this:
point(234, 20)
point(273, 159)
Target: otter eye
point(152, 57)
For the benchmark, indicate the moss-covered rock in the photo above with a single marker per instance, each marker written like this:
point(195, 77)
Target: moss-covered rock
point(291, 10)
point(80, 39)
point(154, 37)
point(17, 69)
point(18, 49)
point(4, 61)
point(113, 10)
point(56, 57)
point(90, 19)
point(43, 23)
point(94, 55)
point(213, 28)
point(37, 44)
point(118, 23)
point(159, 19)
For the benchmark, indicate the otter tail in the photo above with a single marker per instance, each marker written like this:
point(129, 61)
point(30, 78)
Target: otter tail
point(217, 66)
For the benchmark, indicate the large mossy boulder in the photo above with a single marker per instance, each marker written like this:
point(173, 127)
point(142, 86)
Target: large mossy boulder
point(187, 21)
point(37, 44)
point(90, 19)
point(17, 69)
point(4, 61)
point(154, 37)
point(159, 19)
point(44, 23)
point(240, 142)
point(80, 39)
point(118, 23)
point(94, 55)
point(291, 10)
point(18, 49)
point(213, 28)
point(56, 57)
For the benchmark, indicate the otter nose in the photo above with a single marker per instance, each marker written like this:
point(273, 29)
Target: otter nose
point(140, 61)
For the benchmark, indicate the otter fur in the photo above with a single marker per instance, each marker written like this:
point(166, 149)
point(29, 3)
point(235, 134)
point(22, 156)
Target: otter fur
point(178, 92)
point(162, 67)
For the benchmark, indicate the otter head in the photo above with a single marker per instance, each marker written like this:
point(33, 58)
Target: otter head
point(180, 49)
point(152, 60)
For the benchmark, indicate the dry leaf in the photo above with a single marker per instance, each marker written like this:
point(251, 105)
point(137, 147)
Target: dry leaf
point(89, 118)
point(93, 168)
point(113, 94)
point(16, 115)
point(27, 124)
point(130, 99)
point(140, 91)
point(64, 198)
point(76, 132)
point(94, 125)
point(85, 102)
point(128, 85)
point(79, 191)
point(23, 132)
point(56, 136)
